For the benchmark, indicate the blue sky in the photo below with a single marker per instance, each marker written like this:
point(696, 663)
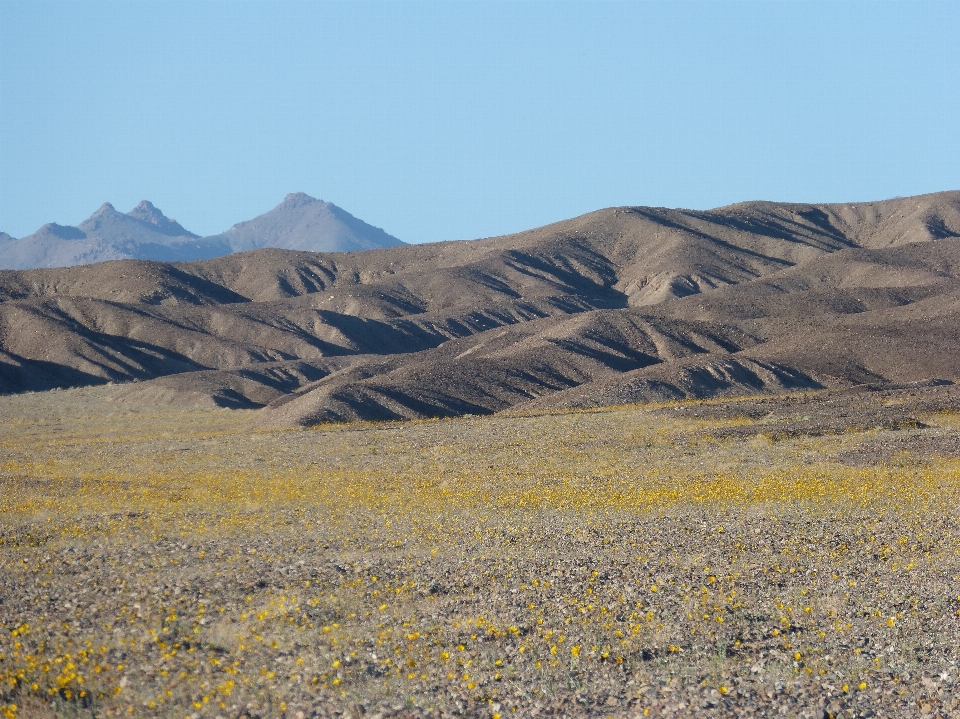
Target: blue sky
point(454, 119)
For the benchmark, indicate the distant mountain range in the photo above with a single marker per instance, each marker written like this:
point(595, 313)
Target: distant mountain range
point(623, 305)
point(300, 222)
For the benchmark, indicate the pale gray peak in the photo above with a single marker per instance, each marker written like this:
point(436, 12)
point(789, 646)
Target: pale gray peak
point(302, 222)
point(298, 199)
point(147, 207)
point(64, 232)
point(4, 237)
point(150, 214)
point(146, 211)
point(106, 210)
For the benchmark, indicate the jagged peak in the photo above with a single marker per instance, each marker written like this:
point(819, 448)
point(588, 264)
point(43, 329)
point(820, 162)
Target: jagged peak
point(148, 212)
point(104, 211)
point(152, 215)
point(147, 206)
point(298, 199)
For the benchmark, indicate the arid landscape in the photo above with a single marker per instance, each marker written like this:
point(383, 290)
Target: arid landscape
point(790, 556)
point(644, 462)
point(621, 305)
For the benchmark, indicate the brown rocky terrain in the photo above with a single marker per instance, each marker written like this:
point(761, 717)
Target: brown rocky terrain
point(618, 306)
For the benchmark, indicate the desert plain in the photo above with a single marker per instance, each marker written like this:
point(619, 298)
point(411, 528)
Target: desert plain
point(794, 555)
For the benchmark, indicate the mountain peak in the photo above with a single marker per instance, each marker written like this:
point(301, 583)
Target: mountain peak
point(63, 232)
point(105, 213)
point(146, 207)
point(298, 199)
point(299, 222)
point(149, 213)
point(302, 222)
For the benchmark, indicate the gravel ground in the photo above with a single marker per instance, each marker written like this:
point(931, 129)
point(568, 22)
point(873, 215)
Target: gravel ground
point(641, 561)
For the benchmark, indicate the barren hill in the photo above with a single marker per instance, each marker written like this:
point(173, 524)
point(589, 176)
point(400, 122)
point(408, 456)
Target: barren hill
point(621, 305)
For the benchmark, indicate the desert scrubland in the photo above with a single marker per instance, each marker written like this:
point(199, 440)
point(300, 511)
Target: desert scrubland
point(211, 505)
point(780, 556)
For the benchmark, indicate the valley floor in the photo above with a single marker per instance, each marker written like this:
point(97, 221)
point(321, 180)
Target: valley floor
point(790, 556)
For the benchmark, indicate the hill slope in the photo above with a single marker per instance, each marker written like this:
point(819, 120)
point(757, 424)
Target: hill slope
point(620, 305)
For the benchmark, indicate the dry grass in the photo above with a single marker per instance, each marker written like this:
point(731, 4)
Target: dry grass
point(612, 563)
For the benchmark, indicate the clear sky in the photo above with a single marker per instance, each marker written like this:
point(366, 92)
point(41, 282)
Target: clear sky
point(455, 119)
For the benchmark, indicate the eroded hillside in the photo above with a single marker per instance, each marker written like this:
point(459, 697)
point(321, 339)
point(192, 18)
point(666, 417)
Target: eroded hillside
point(620, 305)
